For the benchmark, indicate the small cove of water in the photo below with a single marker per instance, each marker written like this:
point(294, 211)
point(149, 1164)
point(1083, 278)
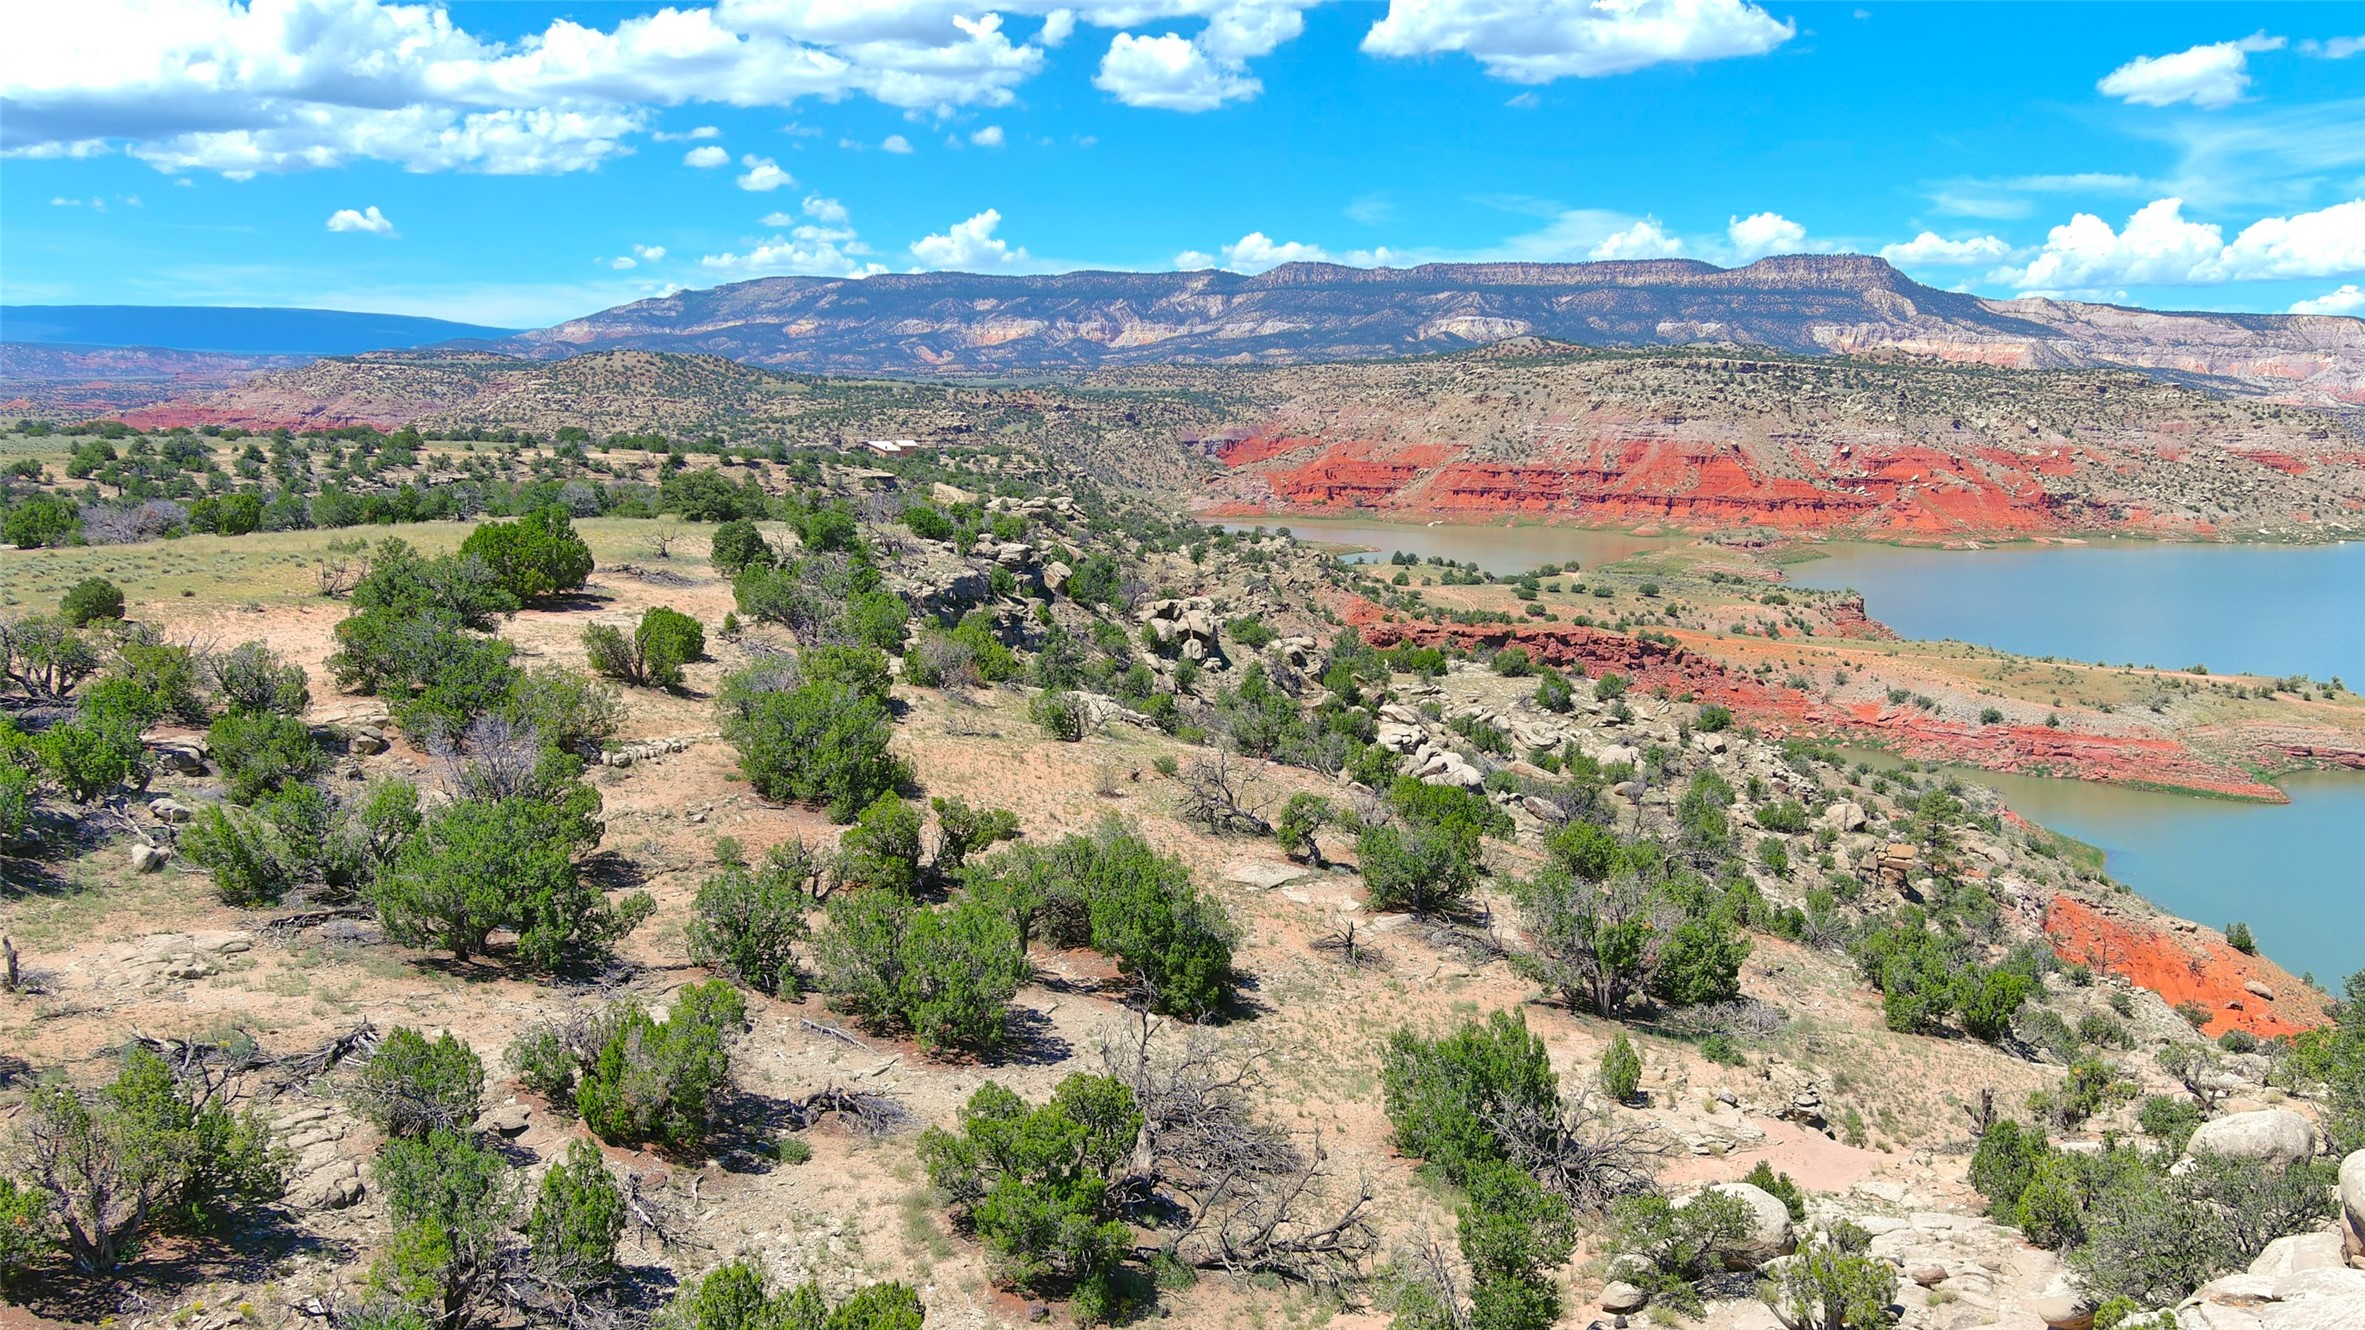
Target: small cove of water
point(2295, 872)
point(2259, 609)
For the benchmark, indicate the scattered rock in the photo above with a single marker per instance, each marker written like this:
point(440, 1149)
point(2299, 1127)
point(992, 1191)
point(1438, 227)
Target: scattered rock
point(2257, 989)
point(149, 858)
point(1928, 1276)
point(509, 1120)
point(171, 810)
point(1264, 875)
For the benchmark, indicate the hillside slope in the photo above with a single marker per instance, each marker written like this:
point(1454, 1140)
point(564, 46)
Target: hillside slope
point(965, 324)
point(1691, 436)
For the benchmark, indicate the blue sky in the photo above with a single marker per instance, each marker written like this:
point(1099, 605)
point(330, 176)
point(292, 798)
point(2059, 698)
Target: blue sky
point(520, 163)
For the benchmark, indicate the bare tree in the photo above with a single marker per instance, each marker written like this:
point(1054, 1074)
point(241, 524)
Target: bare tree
point(1580, 1150)
point(341, 566)
point(1219, 794)
point(662, 538)
point(495, 758)
point(1249, 1198)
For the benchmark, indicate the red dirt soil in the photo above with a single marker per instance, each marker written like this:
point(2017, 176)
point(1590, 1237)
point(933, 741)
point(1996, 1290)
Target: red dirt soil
point(2185, 967)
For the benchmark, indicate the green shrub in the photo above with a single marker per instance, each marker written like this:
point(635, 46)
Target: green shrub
point(731, 1296)
point(1443, 1095)
point(249, 862)
point(1621, 1069)
point(1714, 718)
point(947, 975)
point(536, 556)
point(1781, 1188)
point(26, 1229)
point(1033, 1184)
point(450, 1201)
point(1986, 1000)
point(1421, 869)
point(1609, 687)
point(1828, 1287)
point(747, 924)
point(1721, 1050)
point(89, 600)
point(1554, 693)
point(260, 751)
point(823, 742)
point(577, 1218)
point(1512, 663)
point(142, 1155)
point(42, 519)
point(1059, 713)
point(252, 678)
point(482, 865)
point(410, 1087)
point(1302, 817)
point(655, 1081)
point(1677, 1245)
point(665, 640)
point(737, 546)
point(2237, 936)
point(882, 848)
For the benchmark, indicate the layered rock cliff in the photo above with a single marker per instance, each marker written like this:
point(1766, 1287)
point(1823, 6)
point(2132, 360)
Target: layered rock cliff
point(961, 323)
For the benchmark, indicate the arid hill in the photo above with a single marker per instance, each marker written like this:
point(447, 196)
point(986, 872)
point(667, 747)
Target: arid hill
point(1550, 432)
point(960, 323)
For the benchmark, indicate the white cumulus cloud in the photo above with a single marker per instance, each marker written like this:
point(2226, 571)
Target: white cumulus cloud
point(1763, 233)
point(1257, 252)
point(367, 221)
point(1537, 41)
point(763, 175)
point(969, 246)
point(2210, 77)
point(1645, 239)
point(821, 243)
point(2159, 245)
point(895, 143)
point(1929, 249)
point(706, 157)
point(988, 137)
point(2349, 299)
point(1169, 73)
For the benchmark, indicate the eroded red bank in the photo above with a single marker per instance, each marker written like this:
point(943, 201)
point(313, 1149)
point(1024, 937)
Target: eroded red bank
point(2027, 749)
point(2183, 965)
point(1899, 489)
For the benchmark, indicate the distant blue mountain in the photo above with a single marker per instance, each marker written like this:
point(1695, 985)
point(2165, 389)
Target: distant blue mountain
point(301, 332)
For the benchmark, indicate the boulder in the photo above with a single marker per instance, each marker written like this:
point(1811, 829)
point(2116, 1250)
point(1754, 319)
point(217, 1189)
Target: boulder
point(1056, 575)
point(2063, 1309)
point(1844, 817)
point(181, 759)
point(1928, 1275)
point(1620, 1296)
point(366, 742)
point(1769, 1234)
point(2352, 1198)
point(509, 1120)
point(171, 810)
point(2297, 1252)
point(2274, 1135)
point(2317, 1299)
point(149, 858)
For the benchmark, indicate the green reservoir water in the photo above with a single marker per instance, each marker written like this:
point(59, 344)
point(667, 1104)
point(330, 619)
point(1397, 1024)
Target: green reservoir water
point(2294, 872)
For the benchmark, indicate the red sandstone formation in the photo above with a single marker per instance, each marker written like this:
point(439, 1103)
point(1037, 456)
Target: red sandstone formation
point(2180, 963)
